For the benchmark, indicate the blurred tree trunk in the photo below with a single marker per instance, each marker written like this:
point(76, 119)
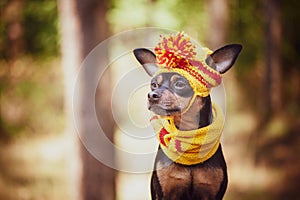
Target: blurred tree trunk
point(12, 19)
point(83, 26)
point(12, 15)
point(273, 80)
point(217, 12)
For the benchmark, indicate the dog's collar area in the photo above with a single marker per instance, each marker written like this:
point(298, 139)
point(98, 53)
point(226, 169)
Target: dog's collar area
point(189, 147)
point(193, 100)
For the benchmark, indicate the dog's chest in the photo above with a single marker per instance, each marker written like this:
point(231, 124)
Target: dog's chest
point(173, 178)
point(178, 179)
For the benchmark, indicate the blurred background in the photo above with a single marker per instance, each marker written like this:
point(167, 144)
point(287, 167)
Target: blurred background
point(43, 42)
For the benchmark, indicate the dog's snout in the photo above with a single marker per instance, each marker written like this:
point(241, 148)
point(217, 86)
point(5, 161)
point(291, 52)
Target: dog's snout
point(153, 96)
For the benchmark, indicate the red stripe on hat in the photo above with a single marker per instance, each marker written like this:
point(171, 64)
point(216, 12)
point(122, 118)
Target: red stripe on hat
point(214, 75)
point(196, 75)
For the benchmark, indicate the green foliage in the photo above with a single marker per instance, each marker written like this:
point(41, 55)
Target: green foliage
point(247, 28)
point(191, 17)
point(2, 30)
point(186, 15)
point(129, 14)
point(291, 33)
point(29, 99)
point(32, 100)
point(39, 19)
point(41, 27)
point(121, 17)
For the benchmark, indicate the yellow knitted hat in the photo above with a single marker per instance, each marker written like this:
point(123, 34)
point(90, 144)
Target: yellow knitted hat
point(176, 53)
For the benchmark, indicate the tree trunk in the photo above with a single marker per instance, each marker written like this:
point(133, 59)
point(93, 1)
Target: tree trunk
point(12, 14)
point(217, 12)
point(13, 47)
point(83, 26)
point(273, 80)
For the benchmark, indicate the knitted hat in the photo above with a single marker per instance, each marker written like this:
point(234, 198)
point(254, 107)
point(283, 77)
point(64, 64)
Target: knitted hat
point(176, 53)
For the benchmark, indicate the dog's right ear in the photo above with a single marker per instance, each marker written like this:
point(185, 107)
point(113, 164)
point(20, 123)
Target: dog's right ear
point(148, 60)
point(223, 59)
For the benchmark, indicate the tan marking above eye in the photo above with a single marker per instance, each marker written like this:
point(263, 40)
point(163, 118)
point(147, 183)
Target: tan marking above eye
point(174, 77)
point(159, 79)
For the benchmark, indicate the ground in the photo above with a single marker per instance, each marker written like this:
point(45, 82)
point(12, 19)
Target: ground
point(36, 167)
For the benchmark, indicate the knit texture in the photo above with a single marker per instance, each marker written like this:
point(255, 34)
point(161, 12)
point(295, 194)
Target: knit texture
point(176, 53)
point(189, 147)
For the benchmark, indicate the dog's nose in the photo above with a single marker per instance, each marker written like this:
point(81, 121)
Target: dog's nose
point(153, 96)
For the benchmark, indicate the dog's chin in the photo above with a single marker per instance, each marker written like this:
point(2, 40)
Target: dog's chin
point(164, 111)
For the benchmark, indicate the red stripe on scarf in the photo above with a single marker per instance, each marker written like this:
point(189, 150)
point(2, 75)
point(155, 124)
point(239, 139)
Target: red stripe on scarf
point(178, 146)
point(162, 134)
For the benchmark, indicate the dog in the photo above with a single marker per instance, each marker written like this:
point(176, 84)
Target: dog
point(173, 96)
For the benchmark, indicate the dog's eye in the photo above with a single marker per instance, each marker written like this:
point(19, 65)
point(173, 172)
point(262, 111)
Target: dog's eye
point(154, 85)
point(179, 84)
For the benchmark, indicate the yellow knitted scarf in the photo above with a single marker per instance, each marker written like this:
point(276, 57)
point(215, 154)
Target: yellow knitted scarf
point(189, 147)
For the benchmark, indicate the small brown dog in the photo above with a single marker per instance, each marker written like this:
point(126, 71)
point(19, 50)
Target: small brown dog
point(180, 100)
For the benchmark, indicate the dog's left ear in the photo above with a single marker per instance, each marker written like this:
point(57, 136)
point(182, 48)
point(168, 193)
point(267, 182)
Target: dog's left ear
point(223, 59)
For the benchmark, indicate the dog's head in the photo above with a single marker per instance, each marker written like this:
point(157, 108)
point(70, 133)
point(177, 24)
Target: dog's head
point(172, 91)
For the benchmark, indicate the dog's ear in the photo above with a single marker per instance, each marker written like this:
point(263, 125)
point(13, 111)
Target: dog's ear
point(222, 59)
point(148, 60)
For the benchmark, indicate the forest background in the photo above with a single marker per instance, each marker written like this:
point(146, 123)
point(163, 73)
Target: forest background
point(43, 42)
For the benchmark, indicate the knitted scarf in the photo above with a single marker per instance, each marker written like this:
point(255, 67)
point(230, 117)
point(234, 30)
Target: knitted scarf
point(189, 147)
